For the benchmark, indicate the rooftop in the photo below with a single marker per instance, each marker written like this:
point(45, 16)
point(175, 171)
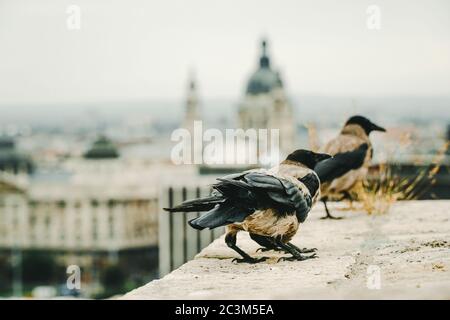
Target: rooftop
point(408, 250)
point(103, 148)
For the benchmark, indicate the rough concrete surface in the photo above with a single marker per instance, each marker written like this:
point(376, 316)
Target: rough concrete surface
point(405, 253)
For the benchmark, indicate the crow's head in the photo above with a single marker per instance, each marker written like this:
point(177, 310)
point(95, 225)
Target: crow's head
point(365, 123)
point(307, 157)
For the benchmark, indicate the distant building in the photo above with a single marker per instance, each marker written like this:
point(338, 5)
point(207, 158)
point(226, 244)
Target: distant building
point(191, 114)
point(96, 208)
point(192, 107)
point(103, 148)
point(265, 104)
point(91, 204)
point(11, 160)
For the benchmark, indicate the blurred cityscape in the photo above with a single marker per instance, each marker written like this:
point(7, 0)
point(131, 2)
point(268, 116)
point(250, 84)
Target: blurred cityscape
point(82, 184)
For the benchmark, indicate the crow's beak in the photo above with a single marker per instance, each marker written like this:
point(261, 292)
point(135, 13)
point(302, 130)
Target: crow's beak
point(377, 128)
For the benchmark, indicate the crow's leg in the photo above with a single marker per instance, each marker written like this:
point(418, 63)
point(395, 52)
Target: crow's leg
point(304, 250)
point(230, 240)
point(296, 256)
point(267, 243)
point(328, 216)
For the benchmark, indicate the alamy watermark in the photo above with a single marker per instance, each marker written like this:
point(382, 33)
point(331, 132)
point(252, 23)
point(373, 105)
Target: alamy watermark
point(373, 277)
point(74, 279)
point(373, 21)
point(231, 146)
point(73, 21)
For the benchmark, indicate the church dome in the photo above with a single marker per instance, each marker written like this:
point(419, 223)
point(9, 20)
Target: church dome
point(264, 79)
point(103, 148)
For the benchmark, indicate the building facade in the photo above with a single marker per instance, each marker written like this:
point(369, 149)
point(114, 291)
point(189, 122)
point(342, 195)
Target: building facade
point(92, 204)
point(96, 211)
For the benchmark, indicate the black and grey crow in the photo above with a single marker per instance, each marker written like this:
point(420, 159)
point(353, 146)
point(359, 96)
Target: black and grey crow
point(352, 153)
point(268, 203)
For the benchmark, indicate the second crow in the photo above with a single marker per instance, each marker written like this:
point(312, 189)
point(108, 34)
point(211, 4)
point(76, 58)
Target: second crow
point(352, 153)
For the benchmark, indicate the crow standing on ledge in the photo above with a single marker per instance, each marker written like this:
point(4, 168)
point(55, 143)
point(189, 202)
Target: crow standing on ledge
point(269, 204)
point(352, 153)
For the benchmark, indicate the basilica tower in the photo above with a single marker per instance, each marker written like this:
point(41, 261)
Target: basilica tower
point(265, 105)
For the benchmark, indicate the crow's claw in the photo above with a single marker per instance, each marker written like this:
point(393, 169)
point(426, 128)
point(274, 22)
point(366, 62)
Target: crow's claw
point(249, 260)
point(263, 249)
point(306, 250)
point(298, 258)
point(331, 217)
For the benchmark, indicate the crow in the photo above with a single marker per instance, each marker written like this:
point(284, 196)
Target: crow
point(268, 203)
point(352, 153)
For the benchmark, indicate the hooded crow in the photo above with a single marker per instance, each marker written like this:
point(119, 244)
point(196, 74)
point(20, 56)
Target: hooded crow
point(268, 203)
point(352, 153)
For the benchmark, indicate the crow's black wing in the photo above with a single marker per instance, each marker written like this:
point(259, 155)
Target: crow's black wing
point(243, 194)
point(259, 191)
point(341, 163)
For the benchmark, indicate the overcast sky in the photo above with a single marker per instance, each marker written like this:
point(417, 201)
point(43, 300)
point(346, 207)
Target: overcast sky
point(129, 50)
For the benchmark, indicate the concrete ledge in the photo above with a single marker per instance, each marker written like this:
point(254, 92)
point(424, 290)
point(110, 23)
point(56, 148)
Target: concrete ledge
point(410, 247)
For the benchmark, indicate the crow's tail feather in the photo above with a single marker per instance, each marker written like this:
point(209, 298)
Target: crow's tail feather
point(231, 203)
point(197, 205)
point(221, 215)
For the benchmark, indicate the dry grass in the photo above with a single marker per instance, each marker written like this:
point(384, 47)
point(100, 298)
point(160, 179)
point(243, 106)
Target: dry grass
point(384, 188)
